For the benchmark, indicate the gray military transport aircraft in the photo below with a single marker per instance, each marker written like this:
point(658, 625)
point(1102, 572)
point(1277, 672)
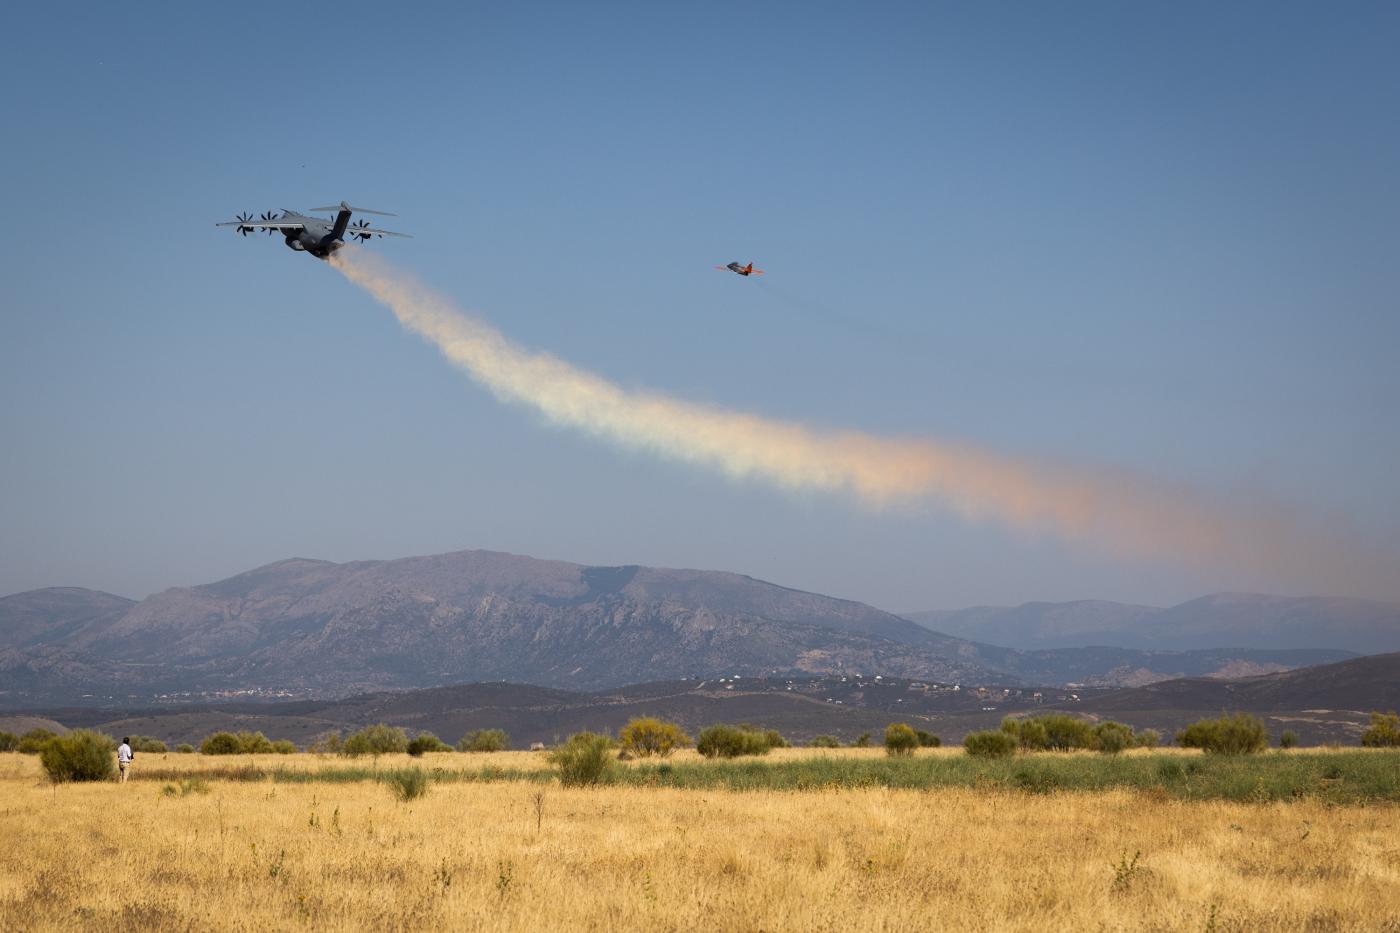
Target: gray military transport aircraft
point(318, 236)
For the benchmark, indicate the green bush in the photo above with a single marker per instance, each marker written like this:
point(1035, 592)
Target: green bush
point(900, 740)
point(862, 741)
point(927, 739)
point(221, 743)
point(1384, 731)
point(1112, 737)
point(1148, 738)
point(484, 740)
point(376, 740)
point(427, 742)
point(81, 755)
point(997, 744)
point(1240, 734)
point(1288, 739)
point(721, 741)
point(647, 736)
point(585, 759)
point(775, 739)
point(33, 741)
point(144, 743)
point(407, 783)
point(8, 741)
point(284, 747)
point(1029, 734)
point(185, 748)
point(1064, 732)
point(825, 741)
point(254, 743)
point(227, 743)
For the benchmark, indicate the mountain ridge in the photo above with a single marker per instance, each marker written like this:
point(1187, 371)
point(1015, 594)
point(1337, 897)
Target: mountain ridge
point(311, 628)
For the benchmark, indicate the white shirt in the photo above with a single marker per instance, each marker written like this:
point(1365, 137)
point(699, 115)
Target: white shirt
point(124, 753)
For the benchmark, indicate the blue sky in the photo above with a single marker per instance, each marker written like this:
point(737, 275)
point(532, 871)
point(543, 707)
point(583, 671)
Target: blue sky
point(1157, 238)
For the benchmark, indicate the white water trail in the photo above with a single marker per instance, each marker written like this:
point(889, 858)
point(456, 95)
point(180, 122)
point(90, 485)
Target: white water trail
point(1115, 512)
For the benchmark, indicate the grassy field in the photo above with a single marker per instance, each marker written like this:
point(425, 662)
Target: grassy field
point(525, 854)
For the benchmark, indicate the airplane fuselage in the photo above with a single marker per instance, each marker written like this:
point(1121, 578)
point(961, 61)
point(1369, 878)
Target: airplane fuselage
point(318, 237)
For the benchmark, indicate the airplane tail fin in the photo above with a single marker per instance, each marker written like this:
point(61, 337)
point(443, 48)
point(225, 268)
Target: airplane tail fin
point(342, 220)
point(748, 269)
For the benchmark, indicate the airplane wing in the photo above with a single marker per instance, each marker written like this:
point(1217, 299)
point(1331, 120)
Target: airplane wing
point(265, 224)
point(376, 232)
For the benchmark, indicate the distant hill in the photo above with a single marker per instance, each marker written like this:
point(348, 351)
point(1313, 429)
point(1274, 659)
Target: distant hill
point(1361, 684)
point(1224, 620)
point(316, 629)
point(54, 614)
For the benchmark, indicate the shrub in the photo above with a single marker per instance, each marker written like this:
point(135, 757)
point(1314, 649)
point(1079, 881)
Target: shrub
point(221, 743)
point(185, 748)
point(1066, 732)
point(407, 783)
point(81, 755)
point(1029, 734)
point(927, 739)
point(775, 739)
point(254, 743)
point(1289, 739)
point(144, 743)
point(1112, 737)
point(484, 740)
point(376, 740)
point(649, 736)
point(1148, 738)
point(284, 747)
point(8, 741)
point(427, 742)
point(825, 741)
point(1384, 731)
point(1240, 734)
point(33, 741)
point(900, 739)
point(863, 741)
point(721, 741)
point(990, 744)
point(585, 759)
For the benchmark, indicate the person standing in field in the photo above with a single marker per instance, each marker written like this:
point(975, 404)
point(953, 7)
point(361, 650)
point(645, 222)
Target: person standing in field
point(124, 756)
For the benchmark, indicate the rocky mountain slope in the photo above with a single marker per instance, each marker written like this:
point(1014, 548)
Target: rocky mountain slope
point(315, 628)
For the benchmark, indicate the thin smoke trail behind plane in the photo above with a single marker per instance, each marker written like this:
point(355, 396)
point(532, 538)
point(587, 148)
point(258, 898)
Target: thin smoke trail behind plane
point(1117, 513)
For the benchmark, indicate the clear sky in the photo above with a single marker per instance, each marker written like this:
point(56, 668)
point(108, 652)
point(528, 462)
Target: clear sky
point(1156, 237)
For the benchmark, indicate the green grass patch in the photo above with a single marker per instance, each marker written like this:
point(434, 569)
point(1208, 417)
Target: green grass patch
point(1336, 777)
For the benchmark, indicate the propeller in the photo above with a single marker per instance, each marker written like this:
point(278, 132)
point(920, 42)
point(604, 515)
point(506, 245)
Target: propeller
point(357, 231)
point(243, 220)
point(270, 216)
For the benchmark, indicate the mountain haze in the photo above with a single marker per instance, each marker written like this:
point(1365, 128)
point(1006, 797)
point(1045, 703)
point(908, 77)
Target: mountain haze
point(1223, 620)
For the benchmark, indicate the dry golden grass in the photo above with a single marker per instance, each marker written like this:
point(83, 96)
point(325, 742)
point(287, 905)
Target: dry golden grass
point(255, 856)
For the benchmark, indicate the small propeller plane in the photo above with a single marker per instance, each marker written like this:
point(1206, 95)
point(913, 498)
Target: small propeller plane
point(315, 235)
point(740, 270)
